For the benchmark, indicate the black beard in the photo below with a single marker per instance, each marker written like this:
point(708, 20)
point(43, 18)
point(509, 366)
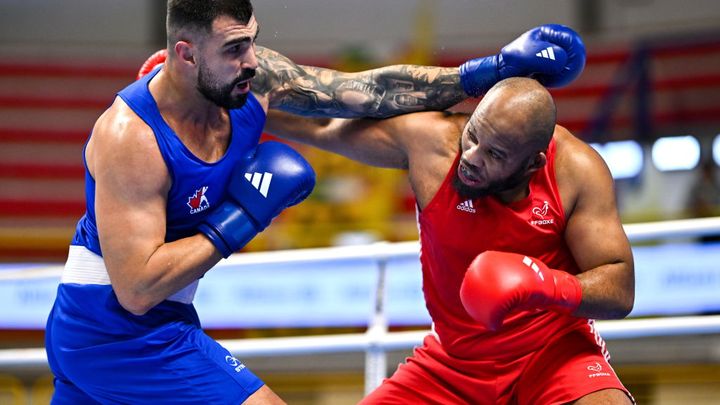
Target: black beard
point(222, 95)
point(494, 188)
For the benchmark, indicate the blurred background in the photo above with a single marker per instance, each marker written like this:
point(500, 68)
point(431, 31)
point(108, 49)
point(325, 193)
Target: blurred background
point(648, 101)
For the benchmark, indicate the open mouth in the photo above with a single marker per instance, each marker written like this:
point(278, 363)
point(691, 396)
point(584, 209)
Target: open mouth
point(466, 176)
point(243, 86)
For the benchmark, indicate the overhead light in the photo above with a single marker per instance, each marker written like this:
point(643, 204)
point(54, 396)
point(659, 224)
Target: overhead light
point(676, 153)
point(716, 149)
point(624, 158)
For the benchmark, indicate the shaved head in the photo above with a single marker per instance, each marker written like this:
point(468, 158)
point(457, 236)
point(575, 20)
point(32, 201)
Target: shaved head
point(506, 139)
point(527, 104)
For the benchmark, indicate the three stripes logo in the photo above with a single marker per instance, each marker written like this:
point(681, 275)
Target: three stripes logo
point(261, 181)
point(466, 206)
point(546, 53)
point(528, 262)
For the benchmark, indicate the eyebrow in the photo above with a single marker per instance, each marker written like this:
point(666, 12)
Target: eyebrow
point(472, 129)
point(500, 151)
point(242, 40)
point(501, 148)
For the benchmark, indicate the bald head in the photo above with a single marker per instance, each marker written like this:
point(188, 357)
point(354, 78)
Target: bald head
point(524, 106)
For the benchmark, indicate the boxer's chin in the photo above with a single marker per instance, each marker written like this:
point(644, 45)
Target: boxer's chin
point(514, 181)
point(234, 101)
point(466, 191)
point(228, 100)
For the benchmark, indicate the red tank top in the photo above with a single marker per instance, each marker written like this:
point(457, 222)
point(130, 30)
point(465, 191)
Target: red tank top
point(454, 230)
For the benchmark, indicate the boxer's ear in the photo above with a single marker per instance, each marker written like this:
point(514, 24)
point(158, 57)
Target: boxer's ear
point(185, 52)
point(537, 162)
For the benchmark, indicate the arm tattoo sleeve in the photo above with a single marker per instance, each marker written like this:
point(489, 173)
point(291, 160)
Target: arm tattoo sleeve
point(377, 93)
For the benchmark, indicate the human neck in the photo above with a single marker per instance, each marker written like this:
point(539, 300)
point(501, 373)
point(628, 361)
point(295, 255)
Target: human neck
point(202, 126)
point(178, 100)
point(514, 194)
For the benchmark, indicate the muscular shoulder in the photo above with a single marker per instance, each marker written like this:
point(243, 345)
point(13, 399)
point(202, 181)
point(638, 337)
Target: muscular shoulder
point(433, 133)
point(424, 137)
point(122, 143)
point(573, 154)
point(579, 169)
point(432, 155)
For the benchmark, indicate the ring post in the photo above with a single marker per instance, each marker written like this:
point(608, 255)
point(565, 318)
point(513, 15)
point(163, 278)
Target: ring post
point(375, 356)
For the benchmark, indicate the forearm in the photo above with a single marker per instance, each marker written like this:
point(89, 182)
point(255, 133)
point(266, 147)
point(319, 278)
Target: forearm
point(376, 93)
point(308, 130)
point(170, 268)
point(608, 292)
point(399, 89)
point(379, 93)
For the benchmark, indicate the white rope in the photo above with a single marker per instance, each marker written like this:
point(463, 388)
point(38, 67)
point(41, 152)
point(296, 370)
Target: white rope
point(360, 342)
point(680, 228)
point(623, 329)
point(401, 250)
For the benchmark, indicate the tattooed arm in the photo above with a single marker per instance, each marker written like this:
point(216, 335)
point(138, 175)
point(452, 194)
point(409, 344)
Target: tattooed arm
point(378, 93)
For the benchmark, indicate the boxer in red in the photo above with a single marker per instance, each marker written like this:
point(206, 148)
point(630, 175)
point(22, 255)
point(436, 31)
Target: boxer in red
point(521, 248)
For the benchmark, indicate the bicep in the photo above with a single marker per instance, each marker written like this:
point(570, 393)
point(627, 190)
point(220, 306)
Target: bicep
point(594, 232)
point(376, 142)
point(130, 188)
point(367, 141)
point(380, 143)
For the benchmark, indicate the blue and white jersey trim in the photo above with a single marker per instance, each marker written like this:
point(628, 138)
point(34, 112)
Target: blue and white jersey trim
point(85, 267)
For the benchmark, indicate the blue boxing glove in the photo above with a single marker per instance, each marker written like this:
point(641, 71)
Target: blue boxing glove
point(275, 178)
point(552, 54)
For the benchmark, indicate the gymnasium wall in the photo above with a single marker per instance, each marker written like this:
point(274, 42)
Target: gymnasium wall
point(323, 27)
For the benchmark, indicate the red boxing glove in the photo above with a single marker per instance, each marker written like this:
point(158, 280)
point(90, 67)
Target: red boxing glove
point(154, 60)
point(498, 283)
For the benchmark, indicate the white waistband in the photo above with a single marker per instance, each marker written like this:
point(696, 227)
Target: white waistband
point(85, 267)
point(434, 333)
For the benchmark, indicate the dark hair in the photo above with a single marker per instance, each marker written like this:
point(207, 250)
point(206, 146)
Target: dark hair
point(198, 15)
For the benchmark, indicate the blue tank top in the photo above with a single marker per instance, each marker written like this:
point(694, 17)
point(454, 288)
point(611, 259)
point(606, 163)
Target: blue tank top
point(197, 186)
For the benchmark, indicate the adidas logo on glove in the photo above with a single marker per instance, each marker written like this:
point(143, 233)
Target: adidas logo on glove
point(261, 181)
point(546, 53)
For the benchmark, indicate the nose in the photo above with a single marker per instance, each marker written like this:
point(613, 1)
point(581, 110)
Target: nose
point(470, 169)
point(251, 61)
point(471, 158)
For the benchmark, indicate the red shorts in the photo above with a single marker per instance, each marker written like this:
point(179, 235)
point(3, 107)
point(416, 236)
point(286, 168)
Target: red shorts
point(564, 370)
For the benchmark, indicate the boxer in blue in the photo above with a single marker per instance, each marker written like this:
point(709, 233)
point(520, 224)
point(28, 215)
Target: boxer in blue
point(176, 180)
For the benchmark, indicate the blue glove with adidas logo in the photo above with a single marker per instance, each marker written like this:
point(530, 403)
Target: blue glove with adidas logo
point(552, 54)
point(275, 178)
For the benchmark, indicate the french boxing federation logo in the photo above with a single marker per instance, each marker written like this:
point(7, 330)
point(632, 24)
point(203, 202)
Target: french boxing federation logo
point(198, 202)
point(539, 214)
point(596, 371)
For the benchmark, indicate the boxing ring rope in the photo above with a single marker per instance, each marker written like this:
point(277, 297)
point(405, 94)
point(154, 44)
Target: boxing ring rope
point(377, 340)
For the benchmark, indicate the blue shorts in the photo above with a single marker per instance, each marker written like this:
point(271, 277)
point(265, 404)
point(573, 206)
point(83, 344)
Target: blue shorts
point(110, 356)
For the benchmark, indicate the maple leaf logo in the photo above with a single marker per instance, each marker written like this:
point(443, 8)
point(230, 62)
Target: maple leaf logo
point(198, 201)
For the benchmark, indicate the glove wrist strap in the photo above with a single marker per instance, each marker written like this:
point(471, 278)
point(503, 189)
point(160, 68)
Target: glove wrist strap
point(568, 293)
point(229, 228)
